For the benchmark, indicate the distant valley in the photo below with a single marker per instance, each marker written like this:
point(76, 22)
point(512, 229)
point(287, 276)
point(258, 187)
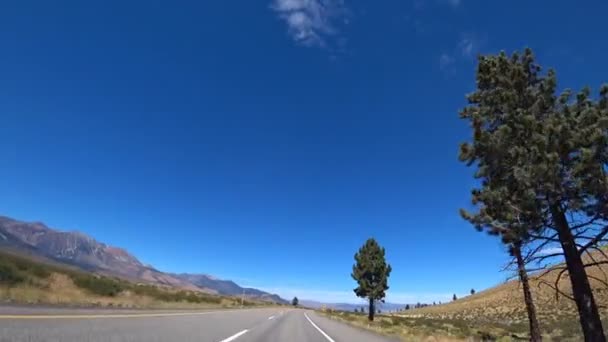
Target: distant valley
point(388, 307)
point(79, 250)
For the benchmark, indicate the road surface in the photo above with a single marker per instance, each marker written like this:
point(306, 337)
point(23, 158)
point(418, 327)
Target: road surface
point(254, 325)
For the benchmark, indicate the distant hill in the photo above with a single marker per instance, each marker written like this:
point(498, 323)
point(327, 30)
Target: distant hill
point(227, 287)
point(387, 307)
point(80, 250)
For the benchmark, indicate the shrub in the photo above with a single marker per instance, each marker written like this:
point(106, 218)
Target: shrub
point(10, 275)
point(16, 269)
point(98, 285)
point(40, 271)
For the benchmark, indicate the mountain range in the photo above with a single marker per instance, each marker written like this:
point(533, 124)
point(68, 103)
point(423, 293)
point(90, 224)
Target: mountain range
point(349, 306)
point(82, 251)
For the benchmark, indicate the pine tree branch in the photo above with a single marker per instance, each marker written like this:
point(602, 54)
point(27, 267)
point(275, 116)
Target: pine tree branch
point(594, 241)
point(557, 290)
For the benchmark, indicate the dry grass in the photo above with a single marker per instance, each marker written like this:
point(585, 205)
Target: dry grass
point(411, 329)
point(502, 307)
point(496, 314)
point(59, 289)
point(26, 281)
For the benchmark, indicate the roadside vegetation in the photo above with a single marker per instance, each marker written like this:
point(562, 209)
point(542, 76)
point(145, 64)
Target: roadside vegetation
point(371, 271)
point(33, 282)
point(496, 314)
point(420, 328)
point(540, 161)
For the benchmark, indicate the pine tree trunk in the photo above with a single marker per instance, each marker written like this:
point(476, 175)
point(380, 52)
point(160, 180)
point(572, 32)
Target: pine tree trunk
point(535, 335)
point(372, 310)
point(581, 289)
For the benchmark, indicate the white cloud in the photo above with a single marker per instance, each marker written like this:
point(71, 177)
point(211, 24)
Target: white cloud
point(445, 60)
point(550, 250)
point(309, 22)
point(466, 46)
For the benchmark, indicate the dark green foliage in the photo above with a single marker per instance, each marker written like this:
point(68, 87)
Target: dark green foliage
point(182, 296)
point(542, 162)
point(101, 286)
point(10, 275)
point(111, 287)
point(528, 144)
point(454, 297)
point(407, 307)
point(533, 149)
point(371, 271)
point(472, 292)
point(15, 270)
point(294, 301)
point(40, 271)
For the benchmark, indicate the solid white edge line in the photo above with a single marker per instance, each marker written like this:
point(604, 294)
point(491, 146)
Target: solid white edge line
point(321, 331)
point(235, 336)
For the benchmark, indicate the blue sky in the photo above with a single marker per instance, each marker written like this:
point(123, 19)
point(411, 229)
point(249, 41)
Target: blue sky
point(264, 141)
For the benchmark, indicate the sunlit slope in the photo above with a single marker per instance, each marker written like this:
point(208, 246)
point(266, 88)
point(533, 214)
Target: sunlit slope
point(504, 304)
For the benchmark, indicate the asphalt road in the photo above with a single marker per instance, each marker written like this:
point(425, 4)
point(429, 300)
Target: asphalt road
point(254, 325)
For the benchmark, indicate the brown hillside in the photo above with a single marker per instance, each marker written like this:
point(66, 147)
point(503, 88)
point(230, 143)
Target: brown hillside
point(503, 305)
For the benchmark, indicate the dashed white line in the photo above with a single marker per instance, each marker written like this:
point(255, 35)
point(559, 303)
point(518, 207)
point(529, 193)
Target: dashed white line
point(235, 336)
point(271, 317)
point(321, 331)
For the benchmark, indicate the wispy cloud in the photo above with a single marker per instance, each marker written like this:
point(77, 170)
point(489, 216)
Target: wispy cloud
point(551, 250)
point(310, 22)
point(454, 3)
point(445, 61)
point(470, 44)
point(465, 50)
point(466, 46)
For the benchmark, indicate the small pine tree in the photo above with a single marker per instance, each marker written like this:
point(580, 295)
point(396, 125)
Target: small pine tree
point(454, 298)
point(472, 292)
point(371, 271)
point(294, 301)
point(356, 310)
point(407, 307)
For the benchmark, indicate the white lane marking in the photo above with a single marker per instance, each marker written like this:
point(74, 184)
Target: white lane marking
point(321, 331)
point(235, 336)
point(271, 317)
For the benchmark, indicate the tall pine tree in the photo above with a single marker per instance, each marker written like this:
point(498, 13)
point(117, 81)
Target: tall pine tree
point(544, 154)
point(371, 273)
